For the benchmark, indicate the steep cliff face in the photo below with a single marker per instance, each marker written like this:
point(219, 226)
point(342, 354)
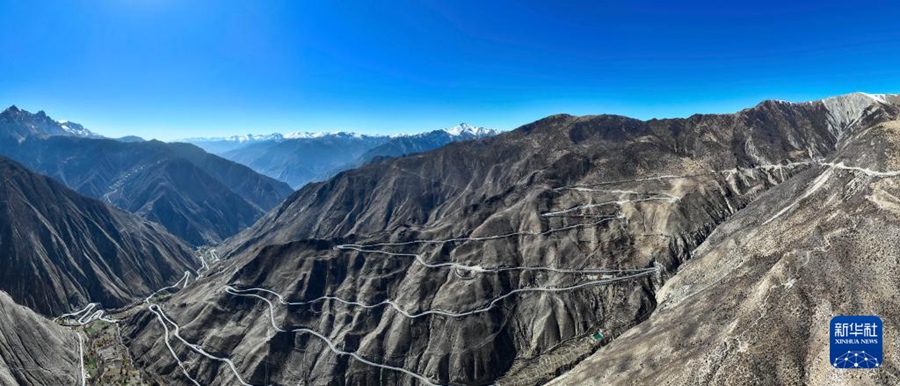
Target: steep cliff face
point(486, 261)
point(61, 250)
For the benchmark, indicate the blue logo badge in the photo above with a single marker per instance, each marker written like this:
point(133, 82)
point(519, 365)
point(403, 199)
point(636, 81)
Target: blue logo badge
point(856, 342)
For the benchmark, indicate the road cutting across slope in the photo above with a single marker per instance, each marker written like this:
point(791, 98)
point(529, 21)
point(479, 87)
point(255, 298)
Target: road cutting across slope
point(85, 315)
point(334, 347)
point(638, 274)
point(485, 238)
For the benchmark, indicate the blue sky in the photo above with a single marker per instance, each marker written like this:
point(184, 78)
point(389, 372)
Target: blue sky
point(177, 68)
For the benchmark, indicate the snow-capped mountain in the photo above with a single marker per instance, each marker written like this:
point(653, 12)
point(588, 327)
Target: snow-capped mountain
point(277, 137)
point(418, 143)
point(76, 129)
point(323, 134)
point(301, 157)
point(20, 124)
point(245, 138)
point(464, 129)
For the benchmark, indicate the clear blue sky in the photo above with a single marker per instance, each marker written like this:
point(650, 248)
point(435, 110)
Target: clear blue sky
point(177, 68)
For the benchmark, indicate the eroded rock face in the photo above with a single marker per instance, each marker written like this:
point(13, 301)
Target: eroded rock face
point(35, 351)
point(60, 250)
point(486, 261)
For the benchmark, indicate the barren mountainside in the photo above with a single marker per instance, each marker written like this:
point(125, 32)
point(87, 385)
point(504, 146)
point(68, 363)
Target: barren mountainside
point(33, 350)
point(61, 250)
point(514, 258)
point(754, 304)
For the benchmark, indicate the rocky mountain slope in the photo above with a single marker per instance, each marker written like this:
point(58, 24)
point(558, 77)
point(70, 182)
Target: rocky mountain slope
point(511, 259)
point(61, 250)
point(754, 304)
point(197, 196)
point(300, 158)
point(35, 351)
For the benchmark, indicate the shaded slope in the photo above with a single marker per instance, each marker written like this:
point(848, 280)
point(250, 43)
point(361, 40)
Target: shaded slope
point(107, 170)
point(262, 192)
point(62, 250)
point(187, 201)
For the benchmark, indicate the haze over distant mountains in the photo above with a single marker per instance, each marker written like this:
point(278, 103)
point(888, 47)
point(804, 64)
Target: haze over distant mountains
point(300, 158)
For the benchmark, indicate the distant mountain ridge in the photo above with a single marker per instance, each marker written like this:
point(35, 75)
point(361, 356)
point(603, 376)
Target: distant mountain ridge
point(418, 143)
point(197, 196)
point(300, 158)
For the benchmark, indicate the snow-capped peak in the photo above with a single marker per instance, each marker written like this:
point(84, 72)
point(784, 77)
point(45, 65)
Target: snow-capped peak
point(466, 129)
point(321, 134)
point(236, 138)
point(76, 129)
point(318, 134)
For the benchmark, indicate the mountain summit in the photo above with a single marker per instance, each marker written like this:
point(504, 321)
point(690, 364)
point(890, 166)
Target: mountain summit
point(464, 129)
point(19, 124)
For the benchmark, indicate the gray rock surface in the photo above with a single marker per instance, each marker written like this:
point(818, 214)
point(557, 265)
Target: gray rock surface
point(34, 350)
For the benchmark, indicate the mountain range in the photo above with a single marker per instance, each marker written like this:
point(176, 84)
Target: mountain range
point(61, 249)
point(300, 158)
point(601, 249)
point(170, 184)
point(593, 243)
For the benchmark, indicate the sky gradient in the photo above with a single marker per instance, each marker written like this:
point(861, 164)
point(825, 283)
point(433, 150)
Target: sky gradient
point(179, 68)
